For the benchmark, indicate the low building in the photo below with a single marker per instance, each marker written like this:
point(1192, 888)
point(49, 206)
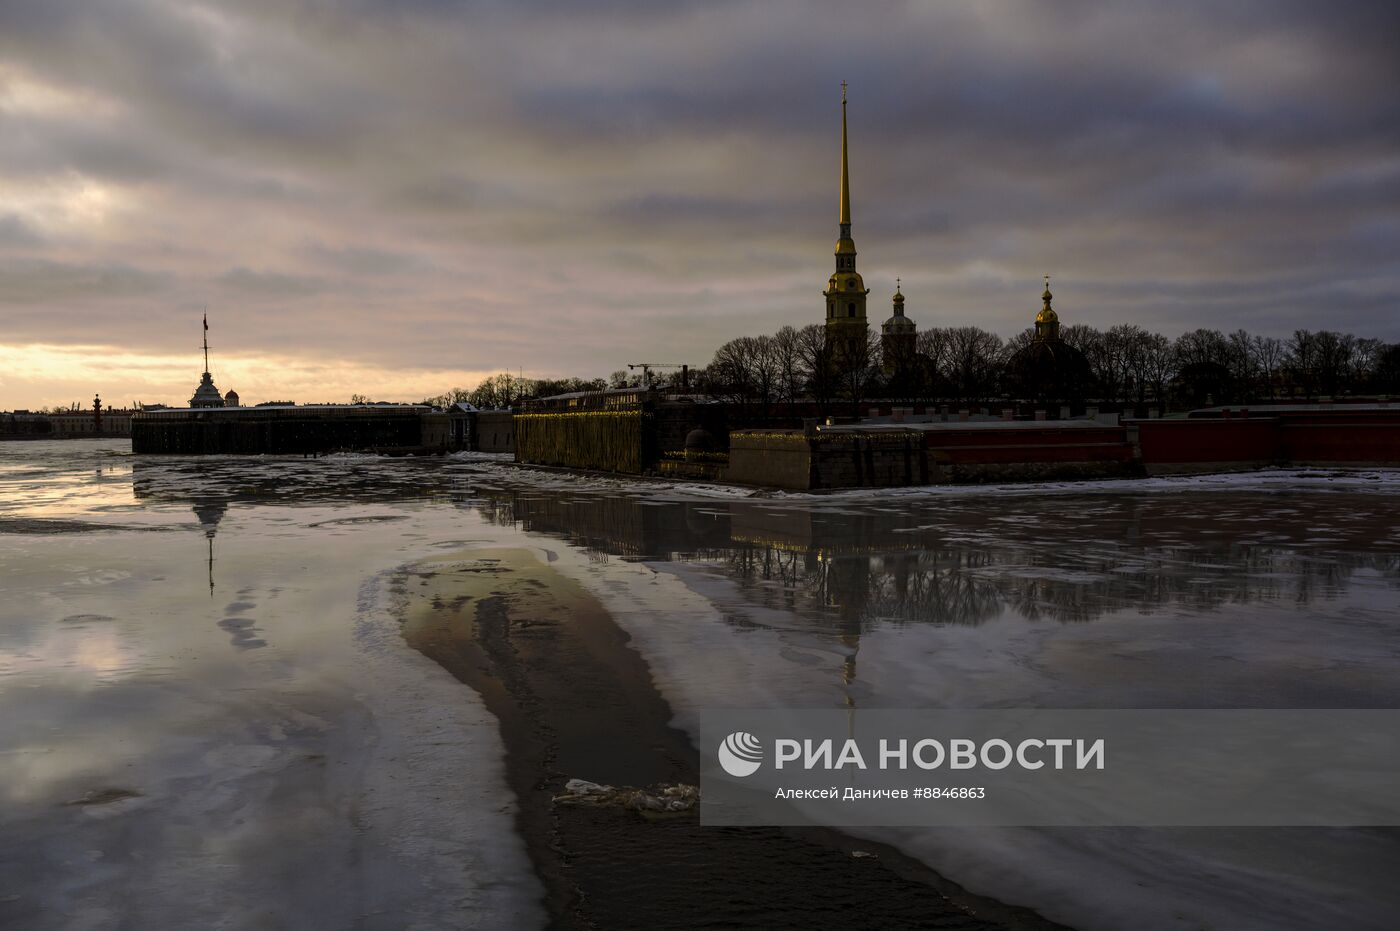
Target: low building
point(311, 429)
point(112, 422)
point(97, 421)
point(25, 423)
point(494, 432)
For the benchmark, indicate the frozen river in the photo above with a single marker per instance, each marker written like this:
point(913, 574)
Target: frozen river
point(210, 718)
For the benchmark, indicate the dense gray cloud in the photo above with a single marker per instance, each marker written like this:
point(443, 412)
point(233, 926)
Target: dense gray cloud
point(566, 187)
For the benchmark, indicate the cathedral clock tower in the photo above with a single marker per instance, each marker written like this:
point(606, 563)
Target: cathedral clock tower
point(845, 291)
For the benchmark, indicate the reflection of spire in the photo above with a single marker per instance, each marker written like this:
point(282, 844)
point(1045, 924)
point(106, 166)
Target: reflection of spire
point(210, 511)
point(851, 641)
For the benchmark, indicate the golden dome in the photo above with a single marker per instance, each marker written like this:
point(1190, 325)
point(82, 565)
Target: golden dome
point(898, 323)
point(1047, 314)
point(845, 247)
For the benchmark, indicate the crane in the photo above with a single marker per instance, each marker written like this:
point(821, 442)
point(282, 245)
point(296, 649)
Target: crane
point(646, 368)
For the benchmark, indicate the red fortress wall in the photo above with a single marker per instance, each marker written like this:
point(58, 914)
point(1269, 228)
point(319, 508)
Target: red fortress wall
point(1241, 439)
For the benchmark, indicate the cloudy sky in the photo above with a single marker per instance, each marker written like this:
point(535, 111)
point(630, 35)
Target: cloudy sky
point(392, 198)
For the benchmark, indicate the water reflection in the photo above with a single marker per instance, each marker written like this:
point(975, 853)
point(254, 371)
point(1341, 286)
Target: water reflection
point(290, 481)
point(210, 511)
point(850, 565)
point(1063, 560)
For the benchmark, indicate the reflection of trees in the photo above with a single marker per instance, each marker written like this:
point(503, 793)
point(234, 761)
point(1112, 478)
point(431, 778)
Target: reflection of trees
point(848, 566)
point(866, 569)
point(973, 585)
point(934, 586)
point(615, 525)
point(855, 591)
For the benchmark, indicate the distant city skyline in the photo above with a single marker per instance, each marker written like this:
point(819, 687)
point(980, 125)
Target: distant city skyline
point(392, 199)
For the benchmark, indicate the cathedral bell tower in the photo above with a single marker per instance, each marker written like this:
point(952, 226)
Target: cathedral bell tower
point(898, 338)
point(845, 291)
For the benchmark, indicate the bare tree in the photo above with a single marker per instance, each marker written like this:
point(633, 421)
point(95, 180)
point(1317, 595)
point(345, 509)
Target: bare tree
point(1158, 367)
point(544, 387)
point(730, 376)
point(624, 378)
point(500, 392)
point(1020, 341)
point(1387, 372)
point(817, 366)
point(1332, 354)
point(1365, 362)
point(1268, 356)
point(975, 358)
point(1203, 346)
point(1203, 367)
point(1081, 336)
point(1243, 365)
point(1130, 364)
point(787, 352)
point(935, 344)
point(857, 364)
point(1301, 363)
point(764, 362)
point(1128, 350)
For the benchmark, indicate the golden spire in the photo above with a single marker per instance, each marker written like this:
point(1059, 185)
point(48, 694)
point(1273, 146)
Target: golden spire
point(846, 282)
point(845, 172)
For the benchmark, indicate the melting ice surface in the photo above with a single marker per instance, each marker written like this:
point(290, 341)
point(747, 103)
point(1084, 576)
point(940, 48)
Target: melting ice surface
point(209, 716)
